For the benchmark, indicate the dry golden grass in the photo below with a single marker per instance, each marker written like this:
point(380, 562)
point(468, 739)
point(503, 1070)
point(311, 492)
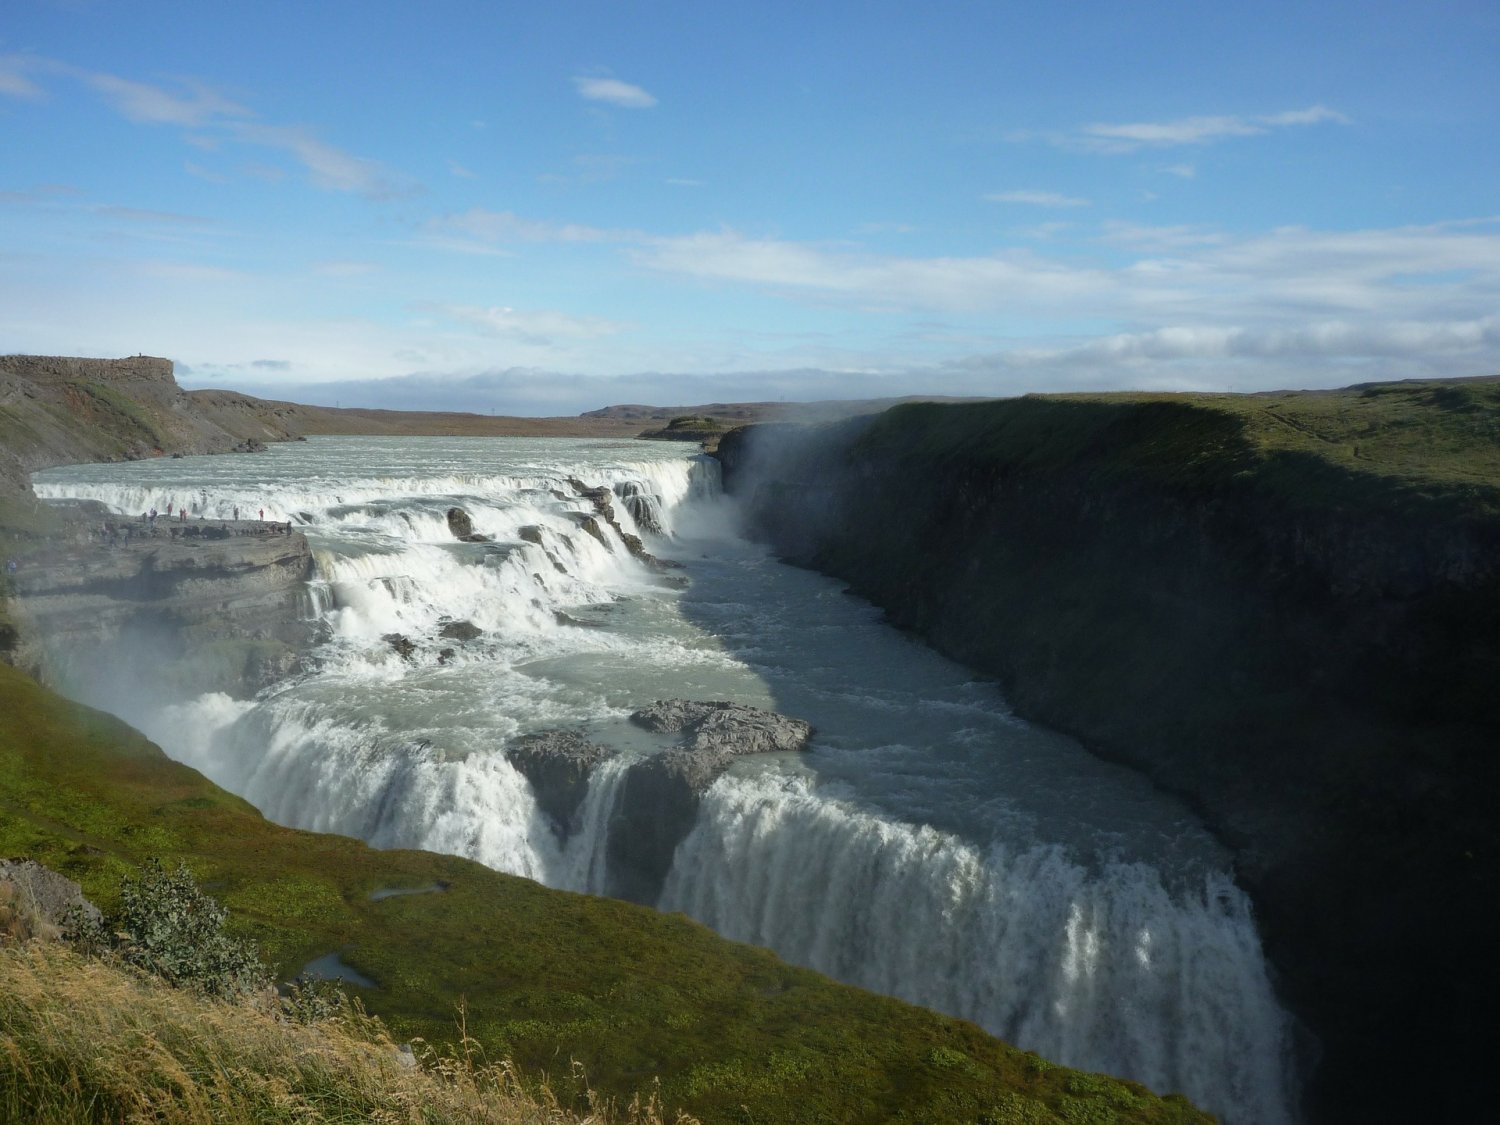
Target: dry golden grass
point(84, 1041)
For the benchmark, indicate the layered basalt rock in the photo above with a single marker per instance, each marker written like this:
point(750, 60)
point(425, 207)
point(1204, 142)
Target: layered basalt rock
point(602, 500)
point(130, 622)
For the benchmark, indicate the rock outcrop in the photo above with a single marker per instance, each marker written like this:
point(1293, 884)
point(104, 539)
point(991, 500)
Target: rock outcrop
point(57, 410)
point(37, 902)
point(659, 798)
point(462, 527)
point(657, 802)
point(642, 507)
point(602, 500)
point(719, 728)
point(558, 763)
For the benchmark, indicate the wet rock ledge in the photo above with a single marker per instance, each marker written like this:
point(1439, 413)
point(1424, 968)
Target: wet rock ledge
point(658, 800)
point(143, 619)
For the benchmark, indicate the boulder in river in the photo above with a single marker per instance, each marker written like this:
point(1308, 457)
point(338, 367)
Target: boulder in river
point(460, 631)
point(402, 645)
point(721, 725)
point(462, 527)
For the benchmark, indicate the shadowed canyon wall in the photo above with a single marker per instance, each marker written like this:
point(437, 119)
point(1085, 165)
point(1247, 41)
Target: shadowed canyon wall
point(1308, 653)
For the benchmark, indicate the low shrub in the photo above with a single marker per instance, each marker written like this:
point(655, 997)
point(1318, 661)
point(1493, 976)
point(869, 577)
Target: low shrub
point(169, 927)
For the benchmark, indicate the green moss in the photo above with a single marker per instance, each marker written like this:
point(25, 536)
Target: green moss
point(1390, 446)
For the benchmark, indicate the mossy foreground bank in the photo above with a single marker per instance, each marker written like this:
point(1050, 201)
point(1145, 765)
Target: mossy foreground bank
point(1284, 607)
point(548, 977)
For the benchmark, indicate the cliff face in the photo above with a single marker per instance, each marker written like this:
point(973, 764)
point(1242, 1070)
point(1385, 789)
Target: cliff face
point(132, 624)
point(1305, 650)
point(152, 617)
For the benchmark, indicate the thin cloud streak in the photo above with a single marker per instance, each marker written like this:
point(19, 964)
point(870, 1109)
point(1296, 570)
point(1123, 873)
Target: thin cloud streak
point(1037, 198)
point(529, 326)
point(1123, 138)
point(213, 119)
point(614, 92)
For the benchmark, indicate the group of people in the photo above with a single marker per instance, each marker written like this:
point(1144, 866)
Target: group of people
point(113, 534)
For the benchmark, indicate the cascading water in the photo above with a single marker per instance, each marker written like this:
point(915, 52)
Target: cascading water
point(928, 845)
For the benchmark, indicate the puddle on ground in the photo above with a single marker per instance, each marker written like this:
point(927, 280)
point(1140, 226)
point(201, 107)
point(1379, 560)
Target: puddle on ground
point(329, 967)
point(392, 892)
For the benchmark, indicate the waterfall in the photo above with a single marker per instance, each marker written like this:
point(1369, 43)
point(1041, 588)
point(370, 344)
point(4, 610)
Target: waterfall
point(1104, 970)
point(930, 846)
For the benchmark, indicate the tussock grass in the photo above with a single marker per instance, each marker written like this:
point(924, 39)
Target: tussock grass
point(85, 1041)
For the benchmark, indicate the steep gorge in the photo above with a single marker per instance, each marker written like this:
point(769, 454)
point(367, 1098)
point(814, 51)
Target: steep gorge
point(1303, 646)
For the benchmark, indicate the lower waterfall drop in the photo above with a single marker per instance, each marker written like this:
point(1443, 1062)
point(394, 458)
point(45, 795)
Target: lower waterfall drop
point(1103, 970)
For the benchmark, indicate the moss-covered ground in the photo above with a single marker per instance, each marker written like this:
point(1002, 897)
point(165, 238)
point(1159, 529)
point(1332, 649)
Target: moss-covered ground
point(1387, 445)
point(547, 977)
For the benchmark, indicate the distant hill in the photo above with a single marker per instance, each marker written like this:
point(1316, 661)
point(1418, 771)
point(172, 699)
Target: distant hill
point(744, 413)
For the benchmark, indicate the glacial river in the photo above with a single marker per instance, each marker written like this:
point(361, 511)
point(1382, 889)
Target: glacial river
point(929, 845)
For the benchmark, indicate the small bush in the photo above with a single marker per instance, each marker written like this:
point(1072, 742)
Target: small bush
point(167, 926)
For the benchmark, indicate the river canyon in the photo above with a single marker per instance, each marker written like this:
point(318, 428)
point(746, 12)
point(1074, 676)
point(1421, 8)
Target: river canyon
point(928, 843)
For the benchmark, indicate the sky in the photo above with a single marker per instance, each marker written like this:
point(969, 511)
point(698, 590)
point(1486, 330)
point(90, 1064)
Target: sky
point(549, 208)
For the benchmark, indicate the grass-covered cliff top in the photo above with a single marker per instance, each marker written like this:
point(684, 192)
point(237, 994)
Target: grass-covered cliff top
point(547, 977)
point(1386, 444)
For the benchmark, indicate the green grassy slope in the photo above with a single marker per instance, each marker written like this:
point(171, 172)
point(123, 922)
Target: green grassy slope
point(548, 977)
point(1374, 445)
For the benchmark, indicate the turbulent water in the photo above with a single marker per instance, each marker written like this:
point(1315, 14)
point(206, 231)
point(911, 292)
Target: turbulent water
point(929, 845)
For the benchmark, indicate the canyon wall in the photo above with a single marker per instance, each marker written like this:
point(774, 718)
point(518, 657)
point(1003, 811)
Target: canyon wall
point(137, 616)
point(1306, 651)
point(132, 624)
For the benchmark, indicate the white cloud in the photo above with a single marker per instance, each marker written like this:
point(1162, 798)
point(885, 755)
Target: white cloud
point(1401, 272)
point(591, 168)
point(506, 226)
point(1182, 171)
point(141, 215)
point(13, 79)
point(187, 271)
point(198, 170)
point(1037, 198)
point(214, 120)
point(964, 284)
point(530, 326)
point(345, 269)
point(1116, 138)
point(614, 92)
point(328, 167)
point(1309, 116)
point(153, 105)
point(457, 169)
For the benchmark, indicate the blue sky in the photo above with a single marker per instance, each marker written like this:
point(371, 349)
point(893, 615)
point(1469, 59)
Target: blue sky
point(549, 208)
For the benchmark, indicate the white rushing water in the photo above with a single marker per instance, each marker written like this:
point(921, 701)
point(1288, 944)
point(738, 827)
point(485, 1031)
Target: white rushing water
point(929, 845)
